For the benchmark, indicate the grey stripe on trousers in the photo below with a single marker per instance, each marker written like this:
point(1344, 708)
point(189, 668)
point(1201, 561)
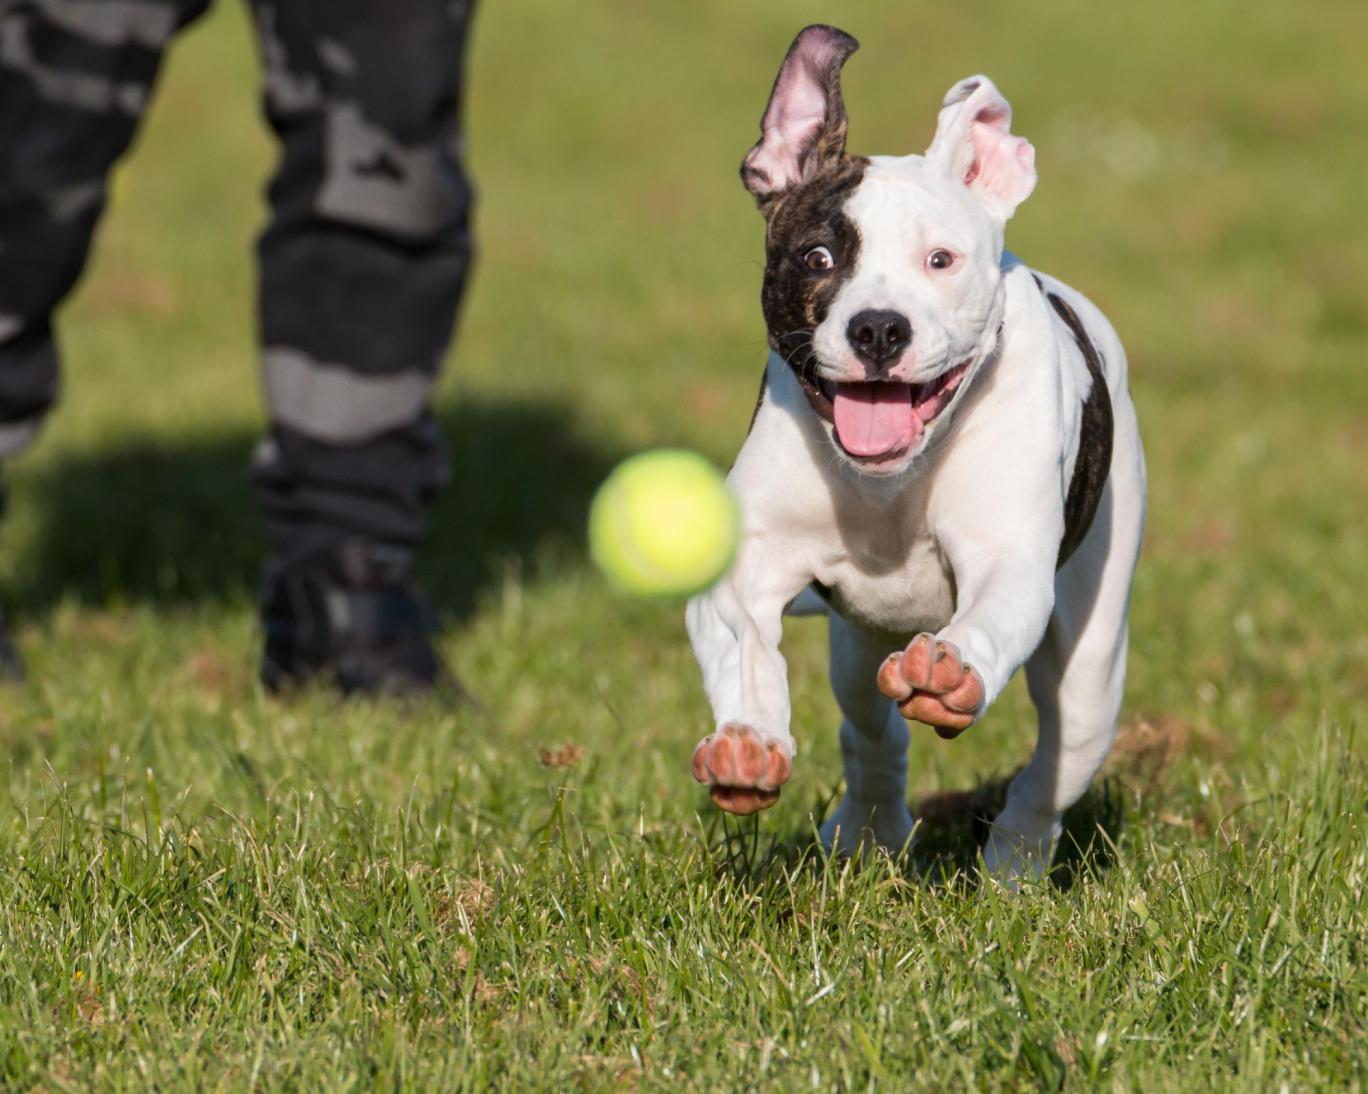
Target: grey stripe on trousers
point(333, 404)
point(17, 436)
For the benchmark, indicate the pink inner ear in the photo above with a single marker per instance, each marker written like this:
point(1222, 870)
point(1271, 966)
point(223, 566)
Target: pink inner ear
point(1003, 165)
point(796, 111)
point(799, 101)
point(804, 99)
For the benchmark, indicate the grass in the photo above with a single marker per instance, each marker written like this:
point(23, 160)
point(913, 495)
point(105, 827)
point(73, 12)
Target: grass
point(205, 888)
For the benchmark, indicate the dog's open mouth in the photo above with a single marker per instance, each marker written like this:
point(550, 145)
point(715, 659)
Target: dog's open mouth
point(882, 421)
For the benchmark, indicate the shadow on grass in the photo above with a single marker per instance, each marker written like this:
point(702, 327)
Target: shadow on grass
point(952, 827)
point(168, 521)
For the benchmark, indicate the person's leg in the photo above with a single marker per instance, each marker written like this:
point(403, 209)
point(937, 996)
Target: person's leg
point(362, 268)
point(75, 76)
point(11, 664)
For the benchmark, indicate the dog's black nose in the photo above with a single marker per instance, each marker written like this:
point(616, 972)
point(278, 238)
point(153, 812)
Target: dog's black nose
point(878, 337)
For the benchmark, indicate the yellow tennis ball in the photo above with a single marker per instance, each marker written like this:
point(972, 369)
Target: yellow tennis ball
point(664, 523)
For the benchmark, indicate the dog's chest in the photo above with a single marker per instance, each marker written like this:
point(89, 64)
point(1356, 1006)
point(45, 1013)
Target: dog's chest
point(889, 582)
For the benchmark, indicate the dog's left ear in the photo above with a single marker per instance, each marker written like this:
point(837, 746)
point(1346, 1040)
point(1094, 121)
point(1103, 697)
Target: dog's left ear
point(804, 126)
point(974, 143)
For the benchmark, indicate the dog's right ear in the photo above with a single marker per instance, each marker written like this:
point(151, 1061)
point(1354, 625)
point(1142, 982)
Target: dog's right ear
point(804, 126)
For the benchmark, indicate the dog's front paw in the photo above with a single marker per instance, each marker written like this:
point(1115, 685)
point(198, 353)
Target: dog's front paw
point(932, 684)
point(743, 770)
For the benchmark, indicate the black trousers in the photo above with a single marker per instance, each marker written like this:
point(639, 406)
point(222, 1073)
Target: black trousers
point(362, 264)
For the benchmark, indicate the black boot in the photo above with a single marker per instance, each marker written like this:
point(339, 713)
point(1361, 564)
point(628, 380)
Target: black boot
point(350, 616)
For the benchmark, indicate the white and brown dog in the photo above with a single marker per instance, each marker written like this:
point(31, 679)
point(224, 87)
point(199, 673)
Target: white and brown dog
point(944, 452)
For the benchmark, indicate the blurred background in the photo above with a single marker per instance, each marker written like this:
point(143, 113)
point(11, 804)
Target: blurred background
point(1202, 174)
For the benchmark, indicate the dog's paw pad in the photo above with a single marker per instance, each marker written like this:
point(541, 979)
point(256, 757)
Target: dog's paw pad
point(743, 770)
point(741, 800)
point(931, 711)
point(931, 683)
point(892, 681)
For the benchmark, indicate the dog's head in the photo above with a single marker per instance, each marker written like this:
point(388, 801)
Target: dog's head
point(883, 286)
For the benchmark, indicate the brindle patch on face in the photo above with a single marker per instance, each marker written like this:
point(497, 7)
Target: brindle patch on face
point(795, 299)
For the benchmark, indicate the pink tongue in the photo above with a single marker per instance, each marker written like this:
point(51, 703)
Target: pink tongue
point(875, 419)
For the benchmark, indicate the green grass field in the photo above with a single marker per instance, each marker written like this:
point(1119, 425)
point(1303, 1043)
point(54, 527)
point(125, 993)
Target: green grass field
point(207, 889)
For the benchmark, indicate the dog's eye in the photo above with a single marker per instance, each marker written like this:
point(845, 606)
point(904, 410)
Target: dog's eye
point(940, 259)
point(819, 259)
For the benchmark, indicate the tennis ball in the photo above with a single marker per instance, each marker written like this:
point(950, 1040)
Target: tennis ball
point(664, 523)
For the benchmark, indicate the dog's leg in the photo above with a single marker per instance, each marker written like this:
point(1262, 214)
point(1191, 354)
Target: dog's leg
point(874, 740)
point(1076, 679)
point(948, 680)
point(735, 629)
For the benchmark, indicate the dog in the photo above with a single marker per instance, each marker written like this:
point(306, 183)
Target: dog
point(944, 458)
